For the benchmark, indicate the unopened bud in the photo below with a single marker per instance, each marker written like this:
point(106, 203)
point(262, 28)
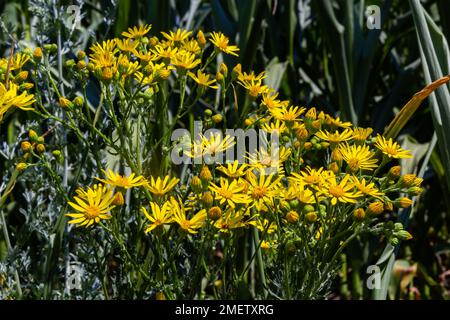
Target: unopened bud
point(359, 214)
point(40, 148)
point(81, 55)
point(217, 118)
point(311, 216)
point(403, 202)
point(196, 184)
point(201, 38)
point(292, 216)
point(21, 166)
point(394, 173)
point(25, 146)
point(118, 199)
point(214, 213)
point(375, 208)
point(37, 54)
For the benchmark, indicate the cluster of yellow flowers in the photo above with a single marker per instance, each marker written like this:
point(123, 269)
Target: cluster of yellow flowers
point(150, 60)
point(13, 84)
point(327, 170)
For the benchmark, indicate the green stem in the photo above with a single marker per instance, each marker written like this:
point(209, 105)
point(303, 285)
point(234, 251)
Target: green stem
point(9, 188)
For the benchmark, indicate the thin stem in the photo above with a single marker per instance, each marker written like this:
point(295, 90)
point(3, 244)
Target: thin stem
point(8, 190)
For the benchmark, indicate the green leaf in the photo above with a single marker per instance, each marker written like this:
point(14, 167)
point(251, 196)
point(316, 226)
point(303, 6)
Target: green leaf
point(386, 263)
point(123, 12)
point(275, 71)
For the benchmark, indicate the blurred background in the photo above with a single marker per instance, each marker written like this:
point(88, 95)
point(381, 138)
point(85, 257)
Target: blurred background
point(323, 54)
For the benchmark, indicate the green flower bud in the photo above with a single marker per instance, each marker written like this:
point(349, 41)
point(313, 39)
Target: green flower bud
point(308, 208)
point(403, 235)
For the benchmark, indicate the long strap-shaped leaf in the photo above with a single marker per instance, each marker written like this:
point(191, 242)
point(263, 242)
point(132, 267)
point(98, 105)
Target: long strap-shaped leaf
point(408, 110)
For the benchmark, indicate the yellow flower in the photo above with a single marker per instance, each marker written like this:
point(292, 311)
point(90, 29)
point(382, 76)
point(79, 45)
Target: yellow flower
point(202, 79)
point(165, 53)
point(230, 193)
point(108, 46)
point(264, 225)
point(234, 170)
point(299, 190)
point(125, 67)
point(340, 191)
point(115, 179)
point(179, 216)
point(244, 76)
point(270, 101)
point(269, 158)
point(160, 187)
point(361, 134)
point(289, 115)
point(390, 148)
point(127, 45)
point(358, 157)
point(220, 41)
point(92, 205)
point(159, 72)
point(275, 126)
point(368, 188)
point(146, 56)
point(336, 122)
point(312, 177)
point(185, 60)
point(262, 189)
point(103, 55)
point(19, 61)
point(137, 31)
point(210, 146)
point(10, 98)
point(160, 215)
point(266, 245)
point(336, 137)
point(192, 46)
point(254, 87)
point(311, 114)
point(145, 80)
point(231, 219)
point(178, 36)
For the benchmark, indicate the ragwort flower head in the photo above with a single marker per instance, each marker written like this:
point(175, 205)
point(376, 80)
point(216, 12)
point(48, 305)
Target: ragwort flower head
point(220, 41)
point(92, 205)
point(391, 148)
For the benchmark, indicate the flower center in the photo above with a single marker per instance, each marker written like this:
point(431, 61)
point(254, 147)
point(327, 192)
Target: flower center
point(353, 164)
point(312, 179)
point(289, 117)
point(259, 192)
point(92, 211)
point(336, 191)
point(227, 194)
point(254, 90)
point(185, 224)
point(223, 44)
point(390, 150)
point(123, 181)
